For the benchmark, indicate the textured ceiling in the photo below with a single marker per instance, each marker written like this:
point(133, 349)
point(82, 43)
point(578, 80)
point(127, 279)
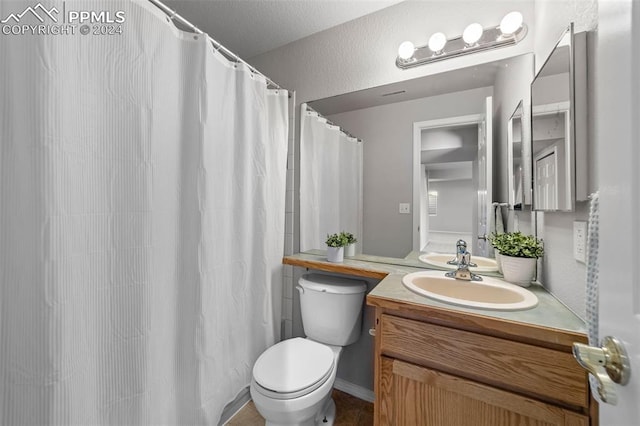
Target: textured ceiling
point(467, 78)
point(252, 27)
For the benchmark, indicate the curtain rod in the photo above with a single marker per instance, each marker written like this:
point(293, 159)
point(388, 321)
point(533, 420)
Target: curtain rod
point(172, 14)
point(332, 123)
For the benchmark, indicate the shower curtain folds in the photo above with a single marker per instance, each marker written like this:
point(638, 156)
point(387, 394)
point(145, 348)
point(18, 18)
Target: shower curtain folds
point(330, 181)
point(142, 194)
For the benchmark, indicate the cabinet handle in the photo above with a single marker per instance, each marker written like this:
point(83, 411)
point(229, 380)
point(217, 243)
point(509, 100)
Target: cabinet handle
point(372, 331)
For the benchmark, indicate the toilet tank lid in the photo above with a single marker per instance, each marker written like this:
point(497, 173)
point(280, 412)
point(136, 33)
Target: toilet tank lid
point(331, 284)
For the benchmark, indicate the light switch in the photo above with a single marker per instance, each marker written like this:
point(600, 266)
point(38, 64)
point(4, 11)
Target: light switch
point(405, 208)
point(580, 241)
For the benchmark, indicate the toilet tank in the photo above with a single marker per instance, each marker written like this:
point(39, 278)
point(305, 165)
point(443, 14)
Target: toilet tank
point(331, 308)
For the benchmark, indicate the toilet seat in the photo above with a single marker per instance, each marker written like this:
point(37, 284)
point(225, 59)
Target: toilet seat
point(293, 368)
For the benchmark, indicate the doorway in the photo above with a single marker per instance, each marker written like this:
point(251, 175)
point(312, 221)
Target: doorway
point(452, 175)
point(449, 159)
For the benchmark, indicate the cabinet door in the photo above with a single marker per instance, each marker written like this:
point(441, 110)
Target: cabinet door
point(541, 373)
point(416, 396)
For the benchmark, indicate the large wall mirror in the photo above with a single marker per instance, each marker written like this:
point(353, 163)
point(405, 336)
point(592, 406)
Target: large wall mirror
point(384, 118)
point(556, 131)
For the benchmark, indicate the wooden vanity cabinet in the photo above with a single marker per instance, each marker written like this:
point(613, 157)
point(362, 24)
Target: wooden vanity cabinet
point(433, 370)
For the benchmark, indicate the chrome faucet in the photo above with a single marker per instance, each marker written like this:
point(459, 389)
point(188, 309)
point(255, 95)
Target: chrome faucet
point(463, 272)
point(461, 250)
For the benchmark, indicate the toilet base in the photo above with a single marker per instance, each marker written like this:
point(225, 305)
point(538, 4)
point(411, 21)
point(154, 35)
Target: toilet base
point(328, 414)
point(326, 417)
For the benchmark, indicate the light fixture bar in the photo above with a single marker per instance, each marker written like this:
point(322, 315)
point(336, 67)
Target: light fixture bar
point(492, 38)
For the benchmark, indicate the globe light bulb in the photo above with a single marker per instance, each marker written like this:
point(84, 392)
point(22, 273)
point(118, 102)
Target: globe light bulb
point(437, 42)
point(511, 23)
point(472, 34)
point(405, 51)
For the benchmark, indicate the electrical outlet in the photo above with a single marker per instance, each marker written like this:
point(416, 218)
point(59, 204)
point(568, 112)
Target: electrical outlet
point(405, 208)
point(580, 241)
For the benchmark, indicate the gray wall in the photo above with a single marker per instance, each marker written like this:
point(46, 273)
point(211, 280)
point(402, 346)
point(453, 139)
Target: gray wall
point(455, 206)
point(356, 360)
point(561, 274)
point(387, 132)
point(511, 86)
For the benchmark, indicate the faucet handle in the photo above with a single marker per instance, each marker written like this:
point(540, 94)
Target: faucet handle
point(463, 244)
point(461, 249)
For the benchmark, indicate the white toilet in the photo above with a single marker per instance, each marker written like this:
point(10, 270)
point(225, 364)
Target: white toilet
point(292, 380)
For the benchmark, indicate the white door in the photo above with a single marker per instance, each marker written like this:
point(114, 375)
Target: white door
point(618, 155)
point(485, 180)
point(546, 181)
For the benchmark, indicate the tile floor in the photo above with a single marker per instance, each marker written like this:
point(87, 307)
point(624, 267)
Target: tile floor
point(351, 411)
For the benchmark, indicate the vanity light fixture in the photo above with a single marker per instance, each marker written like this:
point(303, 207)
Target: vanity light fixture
point(406, 50)
point(474, 39)
point(437, 42)
point(472, 34)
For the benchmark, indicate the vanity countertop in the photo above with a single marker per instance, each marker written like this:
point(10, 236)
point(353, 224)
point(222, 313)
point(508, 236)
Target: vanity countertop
point(361, 265)
point(550, 322)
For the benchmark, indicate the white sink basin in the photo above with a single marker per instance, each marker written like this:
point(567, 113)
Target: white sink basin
point(440, 260)
point(490, 293)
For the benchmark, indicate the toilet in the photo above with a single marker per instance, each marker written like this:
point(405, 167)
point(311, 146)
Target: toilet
point(292, 380)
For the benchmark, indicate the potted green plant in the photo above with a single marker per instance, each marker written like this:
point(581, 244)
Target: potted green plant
point(350, 248)
point(517, 256)
point(335, 247)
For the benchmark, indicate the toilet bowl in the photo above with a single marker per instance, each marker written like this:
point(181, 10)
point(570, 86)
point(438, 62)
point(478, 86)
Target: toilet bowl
point(292, 383)
point(292, 380)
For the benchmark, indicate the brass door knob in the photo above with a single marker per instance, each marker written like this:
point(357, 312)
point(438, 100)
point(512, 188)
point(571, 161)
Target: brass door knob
point(609, 364)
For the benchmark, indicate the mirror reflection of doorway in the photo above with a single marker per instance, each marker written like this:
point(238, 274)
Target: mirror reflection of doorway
point(552, 164)
point(453, 157)
point(546, 179)
point(449, 160)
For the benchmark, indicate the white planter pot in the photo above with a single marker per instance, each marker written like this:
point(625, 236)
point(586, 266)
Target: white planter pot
point(518, 270)
point(350, 250)
point(335, 254)
point(499, 261)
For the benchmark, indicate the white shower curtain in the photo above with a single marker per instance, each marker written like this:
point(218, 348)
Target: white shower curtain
point(142, 187)
point(330, 181)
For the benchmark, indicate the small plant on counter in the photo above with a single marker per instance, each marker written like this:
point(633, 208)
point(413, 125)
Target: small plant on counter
point(350, 247)
point(335, 247)
point(517, 256)
point(516, 244)
point(336, 240)
point(349, 237)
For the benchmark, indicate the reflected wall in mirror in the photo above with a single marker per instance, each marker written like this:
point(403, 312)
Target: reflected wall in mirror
point(557, 139)
point(518, 182)
point(384, 118)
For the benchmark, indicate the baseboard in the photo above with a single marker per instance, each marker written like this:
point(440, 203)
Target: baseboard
point(234, 406)
point(355, 390)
